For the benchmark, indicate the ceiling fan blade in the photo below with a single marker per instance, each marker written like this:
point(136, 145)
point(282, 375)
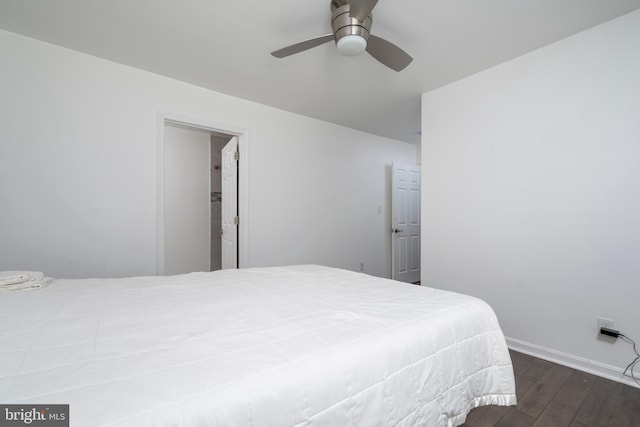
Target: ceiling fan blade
point(302, 46)
point(388, 53)
point(360, 9)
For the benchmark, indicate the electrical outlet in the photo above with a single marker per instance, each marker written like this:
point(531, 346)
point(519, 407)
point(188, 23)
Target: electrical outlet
point(361, 266)
point(604, 322)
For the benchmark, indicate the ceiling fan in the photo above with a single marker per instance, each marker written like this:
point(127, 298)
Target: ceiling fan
point(351, 23)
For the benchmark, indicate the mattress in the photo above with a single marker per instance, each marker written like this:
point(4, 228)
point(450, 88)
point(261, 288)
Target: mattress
point(282, 346)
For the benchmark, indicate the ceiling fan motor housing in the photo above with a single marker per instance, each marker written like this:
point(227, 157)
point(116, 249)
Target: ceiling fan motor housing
point(344, 25)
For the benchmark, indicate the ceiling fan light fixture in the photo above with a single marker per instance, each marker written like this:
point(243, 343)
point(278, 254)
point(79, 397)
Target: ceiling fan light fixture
point(351, 45)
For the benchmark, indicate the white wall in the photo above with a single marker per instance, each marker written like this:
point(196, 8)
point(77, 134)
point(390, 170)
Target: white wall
point(531, 192)
point(186, 202)
point(78, 170)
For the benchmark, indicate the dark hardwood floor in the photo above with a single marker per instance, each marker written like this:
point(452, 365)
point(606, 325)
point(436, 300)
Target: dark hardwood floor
point(551, 395)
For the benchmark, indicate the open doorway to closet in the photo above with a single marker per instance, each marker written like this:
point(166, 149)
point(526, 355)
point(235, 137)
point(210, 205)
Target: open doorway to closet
point(199, 203)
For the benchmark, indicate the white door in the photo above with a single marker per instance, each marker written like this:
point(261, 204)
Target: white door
point(186, 200)
point(405, 222)
point(230, 204)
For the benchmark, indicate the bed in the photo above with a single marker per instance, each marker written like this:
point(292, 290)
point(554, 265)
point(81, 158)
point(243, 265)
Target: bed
point(280, 346)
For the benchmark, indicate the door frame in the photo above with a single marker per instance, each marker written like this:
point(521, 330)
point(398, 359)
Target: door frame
point(163, 118)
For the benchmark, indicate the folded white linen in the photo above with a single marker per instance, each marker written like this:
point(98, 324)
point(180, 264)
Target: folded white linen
point(19, 280)
point(11, 277)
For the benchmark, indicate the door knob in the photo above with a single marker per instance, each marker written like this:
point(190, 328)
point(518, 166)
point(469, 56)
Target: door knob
point(396, 230)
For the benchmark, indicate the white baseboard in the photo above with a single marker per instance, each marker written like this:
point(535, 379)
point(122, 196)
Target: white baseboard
point(590, 366)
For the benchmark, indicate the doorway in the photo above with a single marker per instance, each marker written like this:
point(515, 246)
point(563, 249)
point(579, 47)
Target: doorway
point(191, 195)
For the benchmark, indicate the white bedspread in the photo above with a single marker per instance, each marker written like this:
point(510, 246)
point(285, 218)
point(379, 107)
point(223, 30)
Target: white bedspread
point(285, 346)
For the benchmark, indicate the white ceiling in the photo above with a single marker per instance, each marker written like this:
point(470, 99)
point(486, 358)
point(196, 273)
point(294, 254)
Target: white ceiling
point(225, 45)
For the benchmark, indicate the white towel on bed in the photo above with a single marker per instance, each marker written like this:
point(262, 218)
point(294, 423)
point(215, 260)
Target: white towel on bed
point(21, 280)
